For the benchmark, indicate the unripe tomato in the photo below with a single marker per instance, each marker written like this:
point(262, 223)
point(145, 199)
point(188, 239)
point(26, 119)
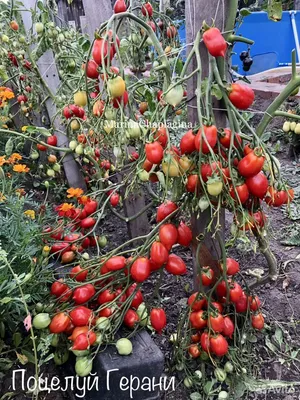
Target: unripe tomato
point(83, 366)
point(68, 257)
point(80, 99)
point(14, 25)
point(41, 321)
point(214, 187)
point(124, 347)
point(170, 167)
point(158, 319)
point(116, 87)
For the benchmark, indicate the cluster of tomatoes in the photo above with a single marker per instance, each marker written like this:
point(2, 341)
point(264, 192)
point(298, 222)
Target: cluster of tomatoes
point(210, 320)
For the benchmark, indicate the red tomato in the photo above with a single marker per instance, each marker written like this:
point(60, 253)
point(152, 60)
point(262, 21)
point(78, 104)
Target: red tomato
point(159, 254)
point(211, 135)
point(196, 301)
point(158, 319)
point(216, 322)
point(154, 152)
point(217, 306)
point(114, 199)
point(72, 237)
point(235, 292)
point(131, 318)
point(185, 235)
point(218, 345)
point(193, 183)
point(258, 185)
point(276, 198)
point(254, 303)
point(258, 321)
point(59, 323)
point(241, 96)
point(204, 341)
point(140, 269)
point(115, 263)
point(161, 135)
point(251, 164)
point(207, 170)
point(196, 337)
point(83, 293)
point(78, 330)
point(91, 207)
point(100, 49)
point(176, 265)
point(87, 223)
point(198, 319)
point(228, 328)
point(247, 149)
point(225, 139)
point(221, 289)
point(78, 273)
point(84, 341)
point(41, 147)
point(159, 95)
point(120, 101)
point(164, 210)
point(214, 42)
point(106, 312)
point(207, 276)
point(106, 297)
point(92, 69)
point(187, 143)
point(81, 316)
point(120, 6)
point(168, 235)
point(58, 288)
point(232, 266)
point(242, 192)
point(194, 350)
point(52, 140)
point(242, 304)
point(137, 298)
point(147, 10)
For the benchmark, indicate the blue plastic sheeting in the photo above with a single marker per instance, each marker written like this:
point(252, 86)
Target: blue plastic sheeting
point(274, 41)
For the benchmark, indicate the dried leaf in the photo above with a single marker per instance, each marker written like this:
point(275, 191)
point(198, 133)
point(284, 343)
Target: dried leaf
point(285, 283)
point(23, 359)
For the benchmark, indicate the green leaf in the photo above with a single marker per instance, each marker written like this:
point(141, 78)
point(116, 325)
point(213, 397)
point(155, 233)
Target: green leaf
point(195, 396)
point(216, 91)
point(40, 5)
point(279, 336)
point(252, 338)
point(274, 10)
point(244, 12)
point(29, 356)
point(161, 178)
point(17, 338)
point(270, 345)
point(6, 300)
point(179, 66)
point(209, 386)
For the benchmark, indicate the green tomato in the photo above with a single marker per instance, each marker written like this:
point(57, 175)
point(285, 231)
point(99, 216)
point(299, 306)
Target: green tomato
point(203, 203)
point(175, 95)
point(73, 144)
point(179, 367)
point(80, 353)
point(144, 176)
point(188, 382)
point(41, 321)
point(286, 127)
point(103, 324)
point(55, 340)
point(50, 172)
point(297, 129)
point(124, 347)
point(133, 131)
point(102, 241)
point(223, 395)
point(142, 312)
point(204, 356)
point(39, 307)
point(39, 27)
point(293, 126)
point(61, 357)
point(83, 366)
point(198, 374)
point(228, 367)
point(220, 374)
point(34, 155)
point(214, 188)
point(56, 167)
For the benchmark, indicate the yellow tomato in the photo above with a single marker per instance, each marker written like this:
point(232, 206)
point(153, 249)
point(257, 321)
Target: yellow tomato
point(75, 125)
point(116, 87)
point(109, 126)
point(80, 99)
point(186, 164)
point(170, 167)
point(214, 188)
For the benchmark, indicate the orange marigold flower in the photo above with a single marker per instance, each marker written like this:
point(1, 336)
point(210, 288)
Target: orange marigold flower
point(83, 200)
point(2, 160)
point(6, 93)
point(21, 168)
point(74, 192)
point(65, 210)
point(14, 157)
point(20, 192)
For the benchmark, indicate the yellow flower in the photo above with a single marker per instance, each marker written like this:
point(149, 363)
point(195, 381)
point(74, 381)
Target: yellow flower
point(30, 214)
point(2, 161)
point(2, 197)
point(14, 157)
point(74, 192)
point(24, 128)
point(20, 168)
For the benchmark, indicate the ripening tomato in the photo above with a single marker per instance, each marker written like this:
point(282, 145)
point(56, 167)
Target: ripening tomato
point(241, 96)
point(114, 199)
point(147, 10)
point(176, 265)
point(120, 6)
point(81, 316)
point(198, 319)
point(185, 235)
point(115, 263)
point(171, 32)
point(137, 299)
point(258, 321)
point(84, 340)
point(78, 273)
point(140, 269)
point(116, 87)
point(158, 319)
point(158, 254)
point(242, 304)
point(187, 143)
point(58, 288)
point(168, 235)
point(68, 257)
point(216, 322)
point(254, 303)
point(154, 152)
point(165, 209)
point(218, 345)
point(276, 198)
point(131, 318)
point(211, 135)
point(83, 293)
point(161, 135)
point(207, 276)
point(242, 193)
point(204, 341)
point(251, 164)
point(78, 330)
point(59, 323)
point(258, 185)
point(228, 328)
point(106, 296)
point(194, 351)
point(87, 223)
point(225, 139)
point(232, 266)
point(215, 42)
point(196, 301)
